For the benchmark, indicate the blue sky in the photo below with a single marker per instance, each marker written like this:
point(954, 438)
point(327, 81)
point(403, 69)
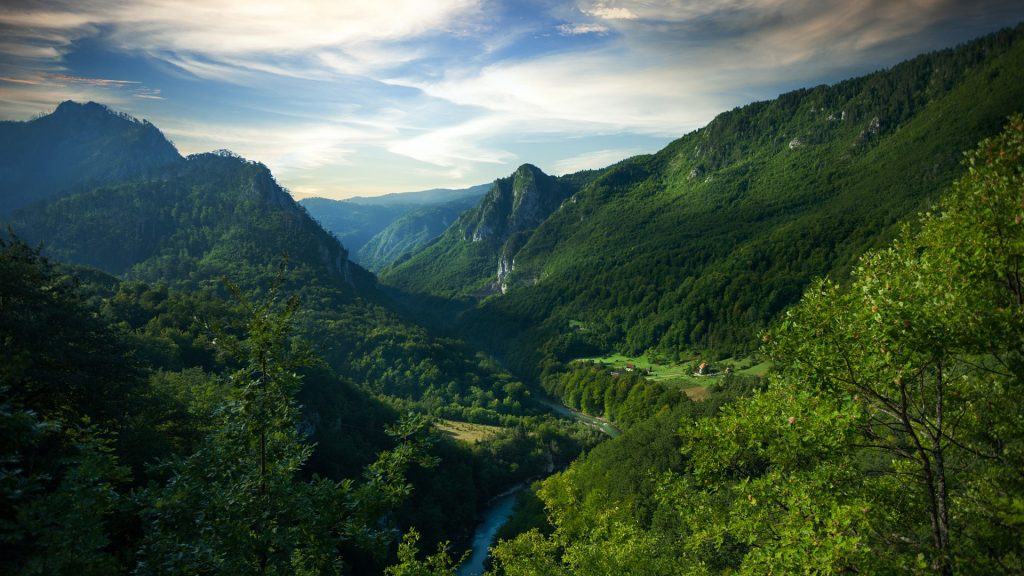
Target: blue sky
point(342, 98)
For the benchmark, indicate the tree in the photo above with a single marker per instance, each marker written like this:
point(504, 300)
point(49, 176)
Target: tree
point(439, 564)
point(238, 504)
point(67, 385)
point(928, 341)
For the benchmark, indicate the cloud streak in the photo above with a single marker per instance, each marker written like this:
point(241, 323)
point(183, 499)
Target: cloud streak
point(66, 78)
point(576, 29)
point(592, 160)
point(232, 27)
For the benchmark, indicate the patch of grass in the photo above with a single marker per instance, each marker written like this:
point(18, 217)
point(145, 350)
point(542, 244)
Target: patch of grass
point(753, 365)
point(757, 369)
point(697, 393)
point(467, 431)
point(681, 374)
point(668, 373)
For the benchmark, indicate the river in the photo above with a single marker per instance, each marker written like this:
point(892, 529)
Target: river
point(499, 509)
point(495, 516)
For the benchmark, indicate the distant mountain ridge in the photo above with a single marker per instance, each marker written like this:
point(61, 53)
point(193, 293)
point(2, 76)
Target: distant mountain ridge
point(358, 221)
point(77, 146)
point(423, 197)
point(411, 231)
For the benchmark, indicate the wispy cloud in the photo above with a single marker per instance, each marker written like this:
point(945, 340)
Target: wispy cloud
point(578, 93)
point(29, 51)
point(147, 93)
point(243, 26)
point(604, 11)
point(66, 78)
point(591, 160)
point(577, 29)
point(26, 81)
point(457, 145)
point(286, 148)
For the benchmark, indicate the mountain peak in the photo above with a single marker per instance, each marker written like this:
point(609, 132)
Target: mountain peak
point(69, 106)
point(78, 145)
point(69, 109)
point(515, 203)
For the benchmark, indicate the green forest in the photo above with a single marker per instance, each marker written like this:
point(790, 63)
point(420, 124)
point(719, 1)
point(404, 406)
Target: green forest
point(887, 441)
point(198, 377)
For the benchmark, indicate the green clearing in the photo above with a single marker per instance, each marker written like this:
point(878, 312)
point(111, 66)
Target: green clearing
point(758, 369)
point(682, 374)
point(467, 431)
point(669, 373)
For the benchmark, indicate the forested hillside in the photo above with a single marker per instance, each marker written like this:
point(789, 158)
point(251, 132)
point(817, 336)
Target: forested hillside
point(888, 440)
point(211, 215)
point(707, 241)
point(217, 215)
point(411, 231)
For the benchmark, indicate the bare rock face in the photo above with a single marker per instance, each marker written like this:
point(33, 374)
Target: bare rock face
point(509, 212)
point(874, 126)
point(514, 204)
point(505, 267)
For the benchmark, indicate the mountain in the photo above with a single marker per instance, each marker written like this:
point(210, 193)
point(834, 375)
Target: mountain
point(77, 146)
point(703, 243)
point(476, 254)
point(356, 220)
point(410, 231)
point(208, 216)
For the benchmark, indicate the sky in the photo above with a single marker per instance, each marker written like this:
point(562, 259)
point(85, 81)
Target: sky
point(346, 98)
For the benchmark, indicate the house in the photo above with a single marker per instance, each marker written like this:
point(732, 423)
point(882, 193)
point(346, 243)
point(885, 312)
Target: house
point(630, 367)
point(704, 369)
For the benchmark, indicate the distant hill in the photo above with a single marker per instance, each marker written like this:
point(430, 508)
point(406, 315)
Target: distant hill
point(411, 231)
point(705, 242)
point(356, 220)
point(77, 146)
